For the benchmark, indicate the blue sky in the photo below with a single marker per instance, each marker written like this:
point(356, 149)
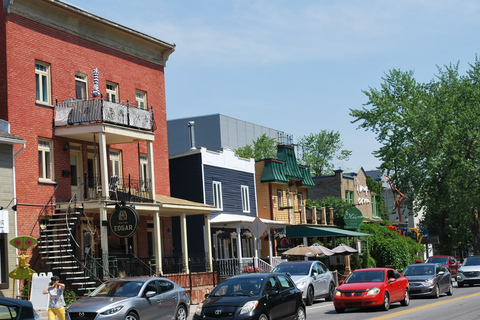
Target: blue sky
point(297, 66)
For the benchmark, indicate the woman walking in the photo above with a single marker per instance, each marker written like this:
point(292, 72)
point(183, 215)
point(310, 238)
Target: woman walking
point(57, 302)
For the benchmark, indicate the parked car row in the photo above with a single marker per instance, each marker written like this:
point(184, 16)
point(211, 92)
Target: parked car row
point(283, 293)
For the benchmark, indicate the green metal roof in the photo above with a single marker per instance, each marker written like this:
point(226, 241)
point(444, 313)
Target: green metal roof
point(287, 154)
point(320, 231)
point(307, 180)
point(274, 171)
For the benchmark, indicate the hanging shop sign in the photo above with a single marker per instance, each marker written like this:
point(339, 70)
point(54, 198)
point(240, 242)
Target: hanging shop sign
point(124, 221)
point(353, 218)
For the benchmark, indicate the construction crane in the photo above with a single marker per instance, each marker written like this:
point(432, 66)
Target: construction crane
point(398, 198)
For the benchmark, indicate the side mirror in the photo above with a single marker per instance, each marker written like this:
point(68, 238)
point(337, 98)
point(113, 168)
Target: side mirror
point(392, 280)
point(314, 273)
point(273, 292)
point(150, 294)
point(342, 281)
point(206, 295)
point(441, 272)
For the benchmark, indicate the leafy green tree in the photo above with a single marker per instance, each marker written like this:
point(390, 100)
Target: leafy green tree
point(263, 148)
point(320, 149)
point(430, 147)
point(338, 204)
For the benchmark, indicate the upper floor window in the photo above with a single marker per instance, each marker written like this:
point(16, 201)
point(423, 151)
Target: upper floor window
point(42, 78)
point(349, 197)
point(45, 159)
point(144, 172)
point(141, 98)
point(81, 86)
point(217, 195)
point(112, 92)
point(300, 199)
point(245, 199)
point(375, 213)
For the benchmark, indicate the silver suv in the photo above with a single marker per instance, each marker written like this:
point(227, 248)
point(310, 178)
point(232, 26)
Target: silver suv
point(311, 277)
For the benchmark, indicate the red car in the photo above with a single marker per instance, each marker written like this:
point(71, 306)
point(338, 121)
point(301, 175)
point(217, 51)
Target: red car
point(374, 287)
point(448, 261)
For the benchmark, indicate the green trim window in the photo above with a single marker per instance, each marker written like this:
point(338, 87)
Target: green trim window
point(349, 197)
point(375, 206)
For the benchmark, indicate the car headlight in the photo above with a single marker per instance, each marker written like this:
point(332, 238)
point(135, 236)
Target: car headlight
point(112, 310)
point(249, 306)
point(198, 311)
point(301, 284)
point(337, 293)
point(430, 282)
point(373, 291)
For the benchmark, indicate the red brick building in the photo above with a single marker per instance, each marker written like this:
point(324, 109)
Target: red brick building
point(88, 97)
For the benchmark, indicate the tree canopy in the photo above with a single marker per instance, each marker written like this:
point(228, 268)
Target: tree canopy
point(430, 147)
point(320, 149)
point(263, 148)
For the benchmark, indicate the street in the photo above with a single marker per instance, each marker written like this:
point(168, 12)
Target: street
point(462, 305)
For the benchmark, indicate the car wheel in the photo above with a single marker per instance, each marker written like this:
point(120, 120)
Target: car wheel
point(386, 302)
point(406, 298)
point(460, 284)
point(132, 316)
point(436, 293)
point(450, 289)
point(331, 292)
point(340, 310)
point(181, 313)
point(310, 294)
point(263, 316)
point(301, 314)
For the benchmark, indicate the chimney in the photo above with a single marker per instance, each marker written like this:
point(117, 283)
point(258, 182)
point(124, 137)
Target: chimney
point(192, 135)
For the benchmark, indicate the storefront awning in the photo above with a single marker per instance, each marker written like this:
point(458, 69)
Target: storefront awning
point(320, 231)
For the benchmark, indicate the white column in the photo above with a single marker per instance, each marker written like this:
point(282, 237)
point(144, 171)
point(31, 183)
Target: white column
point(103, 164)
point(157, 237)
point(183, 232)
point(104, 239)
point(239, 244)
point(208, 238)
point(151, 168)
point(270, 250)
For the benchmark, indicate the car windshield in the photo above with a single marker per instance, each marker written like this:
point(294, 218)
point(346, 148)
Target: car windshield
point(293, 269)
point(437, 260)
point(118, 289)
point(472, 261)
point(419, 270)
point(239, 287)
point(366, 276)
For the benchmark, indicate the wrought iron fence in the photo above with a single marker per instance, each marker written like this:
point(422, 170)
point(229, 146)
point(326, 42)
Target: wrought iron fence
point(119, 188)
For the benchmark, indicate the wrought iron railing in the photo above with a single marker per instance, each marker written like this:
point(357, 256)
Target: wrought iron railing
point(73, 111)
point(122, 189)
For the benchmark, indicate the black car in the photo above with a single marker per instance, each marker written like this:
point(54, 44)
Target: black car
point(17, 309)
point(262, 296)
point(428, 279)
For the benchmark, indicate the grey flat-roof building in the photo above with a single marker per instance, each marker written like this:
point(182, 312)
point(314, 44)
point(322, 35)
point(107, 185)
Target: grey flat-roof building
point(216, 131)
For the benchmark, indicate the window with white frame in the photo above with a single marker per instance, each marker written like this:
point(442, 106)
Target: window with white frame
point(141, 98)
point(300, 199)
point(144, 172)
point(280, 198)
point(217, 195)
point(45, 159)
point(81, 86)
point(112, 92)
point(42, 78)
point(115, 157)
point(245, 199)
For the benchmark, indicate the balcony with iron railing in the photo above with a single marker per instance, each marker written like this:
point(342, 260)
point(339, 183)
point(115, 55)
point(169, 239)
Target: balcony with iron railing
point(77, 112)
point(124, 189)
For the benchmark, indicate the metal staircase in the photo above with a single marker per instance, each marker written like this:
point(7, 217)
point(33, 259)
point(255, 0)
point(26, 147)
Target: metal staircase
point(61, 252)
